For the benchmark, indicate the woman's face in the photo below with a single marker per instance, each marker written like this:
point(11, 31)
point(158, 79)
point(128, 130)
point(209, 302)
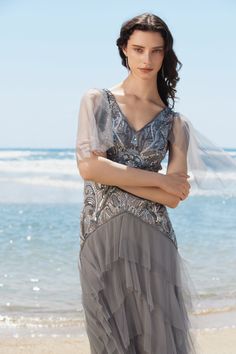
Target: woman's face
point(145, 50)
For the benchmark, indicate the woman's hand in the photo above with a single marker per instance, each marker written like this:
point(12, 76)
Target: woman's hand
point(176, 183)
point(99, 153)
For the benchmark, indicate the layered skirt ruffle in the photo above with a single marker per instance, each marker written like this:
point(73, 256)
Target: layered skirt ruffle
point(135, 290)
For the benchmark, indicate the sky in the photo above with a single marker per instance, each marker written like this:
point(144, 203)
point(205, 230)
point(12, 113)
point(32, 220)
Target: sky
point(53, 51)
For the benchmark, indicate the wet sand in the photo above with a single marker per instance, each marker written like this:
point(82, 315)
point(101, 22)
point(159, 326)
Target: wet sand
point(221, 341)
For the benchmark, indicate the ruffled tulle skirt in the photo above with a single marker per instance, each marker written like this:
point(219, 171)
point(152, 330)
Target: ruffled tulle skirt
point(135, 290)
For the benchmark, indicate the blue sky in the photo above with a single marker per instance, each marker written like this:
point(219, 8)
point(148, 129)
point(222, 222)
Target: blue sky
point(53, 51)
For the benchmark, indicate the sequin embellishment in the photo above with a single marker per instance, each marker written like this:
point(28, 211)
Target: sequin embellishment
point(143, 149)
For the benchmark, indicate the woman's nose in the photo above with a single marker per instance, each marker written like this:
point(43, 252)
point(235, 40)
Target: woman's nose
point(147, 58)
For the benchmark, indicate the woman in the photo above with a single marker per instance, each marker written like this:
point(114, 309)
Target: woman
point(134, 293)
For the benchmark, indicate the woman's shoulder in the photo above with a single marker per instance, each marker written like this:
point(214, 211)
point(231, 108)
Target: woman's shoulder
point(177, 115)
point(179, 122)
point(93, 91)
point(94, 97)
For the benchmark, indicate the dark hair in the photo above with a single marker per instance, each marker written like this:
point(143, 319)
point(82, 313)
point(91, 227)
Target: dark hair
point(150, 22)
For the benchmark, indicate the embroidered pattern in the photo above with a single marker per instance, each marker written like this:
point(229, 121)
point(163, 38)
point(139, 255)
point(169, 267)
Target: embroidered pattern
point(143, 149)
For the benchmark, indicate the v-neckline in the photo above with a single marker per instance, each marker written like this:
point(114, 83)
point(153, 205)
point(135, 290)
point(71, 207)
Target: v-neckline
point(126, 119)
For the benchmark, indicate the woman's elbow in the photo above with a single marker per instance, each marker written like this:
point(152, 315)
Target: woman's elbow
point(84, 169)
point(174, 203)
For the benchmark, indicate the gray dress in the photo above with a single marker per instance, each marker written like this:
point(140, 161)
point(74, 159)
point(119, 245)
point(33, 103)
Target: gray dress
point(134, 292)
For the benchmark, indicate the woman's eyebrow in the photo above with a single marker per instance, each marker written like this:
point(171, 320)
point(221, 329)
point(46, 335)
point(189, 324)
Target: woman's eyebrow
point(140, 46)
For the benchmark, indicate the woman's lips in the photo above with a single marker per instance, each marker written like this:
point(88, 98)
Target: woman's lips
point(146, 70)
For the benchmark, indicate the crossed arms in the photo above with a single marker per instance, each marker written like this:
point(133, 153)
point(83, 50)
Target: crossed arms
point(168, 189)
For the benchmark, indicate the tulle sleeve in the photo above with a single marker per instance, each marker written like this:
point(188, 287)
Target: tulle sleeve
point(94, 129)
point(210, 167)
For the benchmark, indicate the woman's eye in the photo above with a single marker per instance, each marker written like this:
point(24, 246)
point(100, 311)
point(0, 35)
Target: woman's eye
point(140, 50)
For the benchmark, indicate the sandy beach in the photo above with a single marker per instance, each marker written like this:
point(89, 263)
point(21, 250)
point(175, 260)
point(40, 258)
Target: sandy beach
point(221, 341)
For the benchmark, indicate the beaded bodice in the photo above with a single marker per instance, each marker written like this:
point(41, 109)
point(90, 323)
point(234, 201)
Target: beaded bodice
point(144, 149)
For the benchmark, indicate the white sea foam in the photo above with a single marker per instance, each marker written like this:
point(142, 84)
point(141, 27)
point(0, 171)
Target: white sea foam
point(16, 154)
point(45, 181)
point(67, 167)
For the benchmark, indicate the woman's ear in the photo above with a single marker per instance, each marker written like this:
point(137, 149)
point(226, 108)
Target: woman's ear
point(124, 51)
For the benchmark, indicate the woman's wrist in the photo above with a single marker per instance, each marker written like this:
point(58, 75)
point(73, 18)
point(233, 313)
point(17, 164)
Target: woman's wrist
point(159, 179)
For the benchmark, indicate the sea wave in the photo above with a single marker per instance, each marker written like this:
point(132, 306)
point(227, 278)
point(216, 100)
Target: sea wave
point(211, 310)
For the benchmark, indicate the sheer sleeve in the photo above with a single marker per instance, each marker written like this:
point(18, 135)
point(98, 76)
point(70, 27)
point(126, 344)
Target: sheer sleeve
point(94, 129)
point(179, 134)
point(210, 167)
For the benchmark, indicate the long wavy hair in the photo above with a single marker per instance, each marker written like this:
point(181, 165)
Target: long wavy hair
point(167, 76)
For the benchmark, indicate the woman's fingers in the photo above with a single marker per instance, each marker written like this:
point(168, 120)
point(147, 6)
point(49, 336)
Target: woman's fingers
point(177, 184)
point(184, 190)
point(185, 193)
point(182, 174)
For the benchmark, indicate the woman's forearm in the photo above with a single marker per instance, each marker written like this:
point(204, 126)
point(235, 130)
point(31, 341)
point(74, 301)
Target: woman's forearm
point(105, 171)
point(154, 194)
point(102, 170)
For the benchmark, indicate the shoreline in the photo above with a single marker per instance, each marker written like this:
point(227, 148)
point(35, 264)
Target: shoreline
point(212, 341)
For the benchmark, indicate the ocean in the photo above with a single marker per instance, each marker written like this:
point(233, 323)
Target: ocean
point(40, 201)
